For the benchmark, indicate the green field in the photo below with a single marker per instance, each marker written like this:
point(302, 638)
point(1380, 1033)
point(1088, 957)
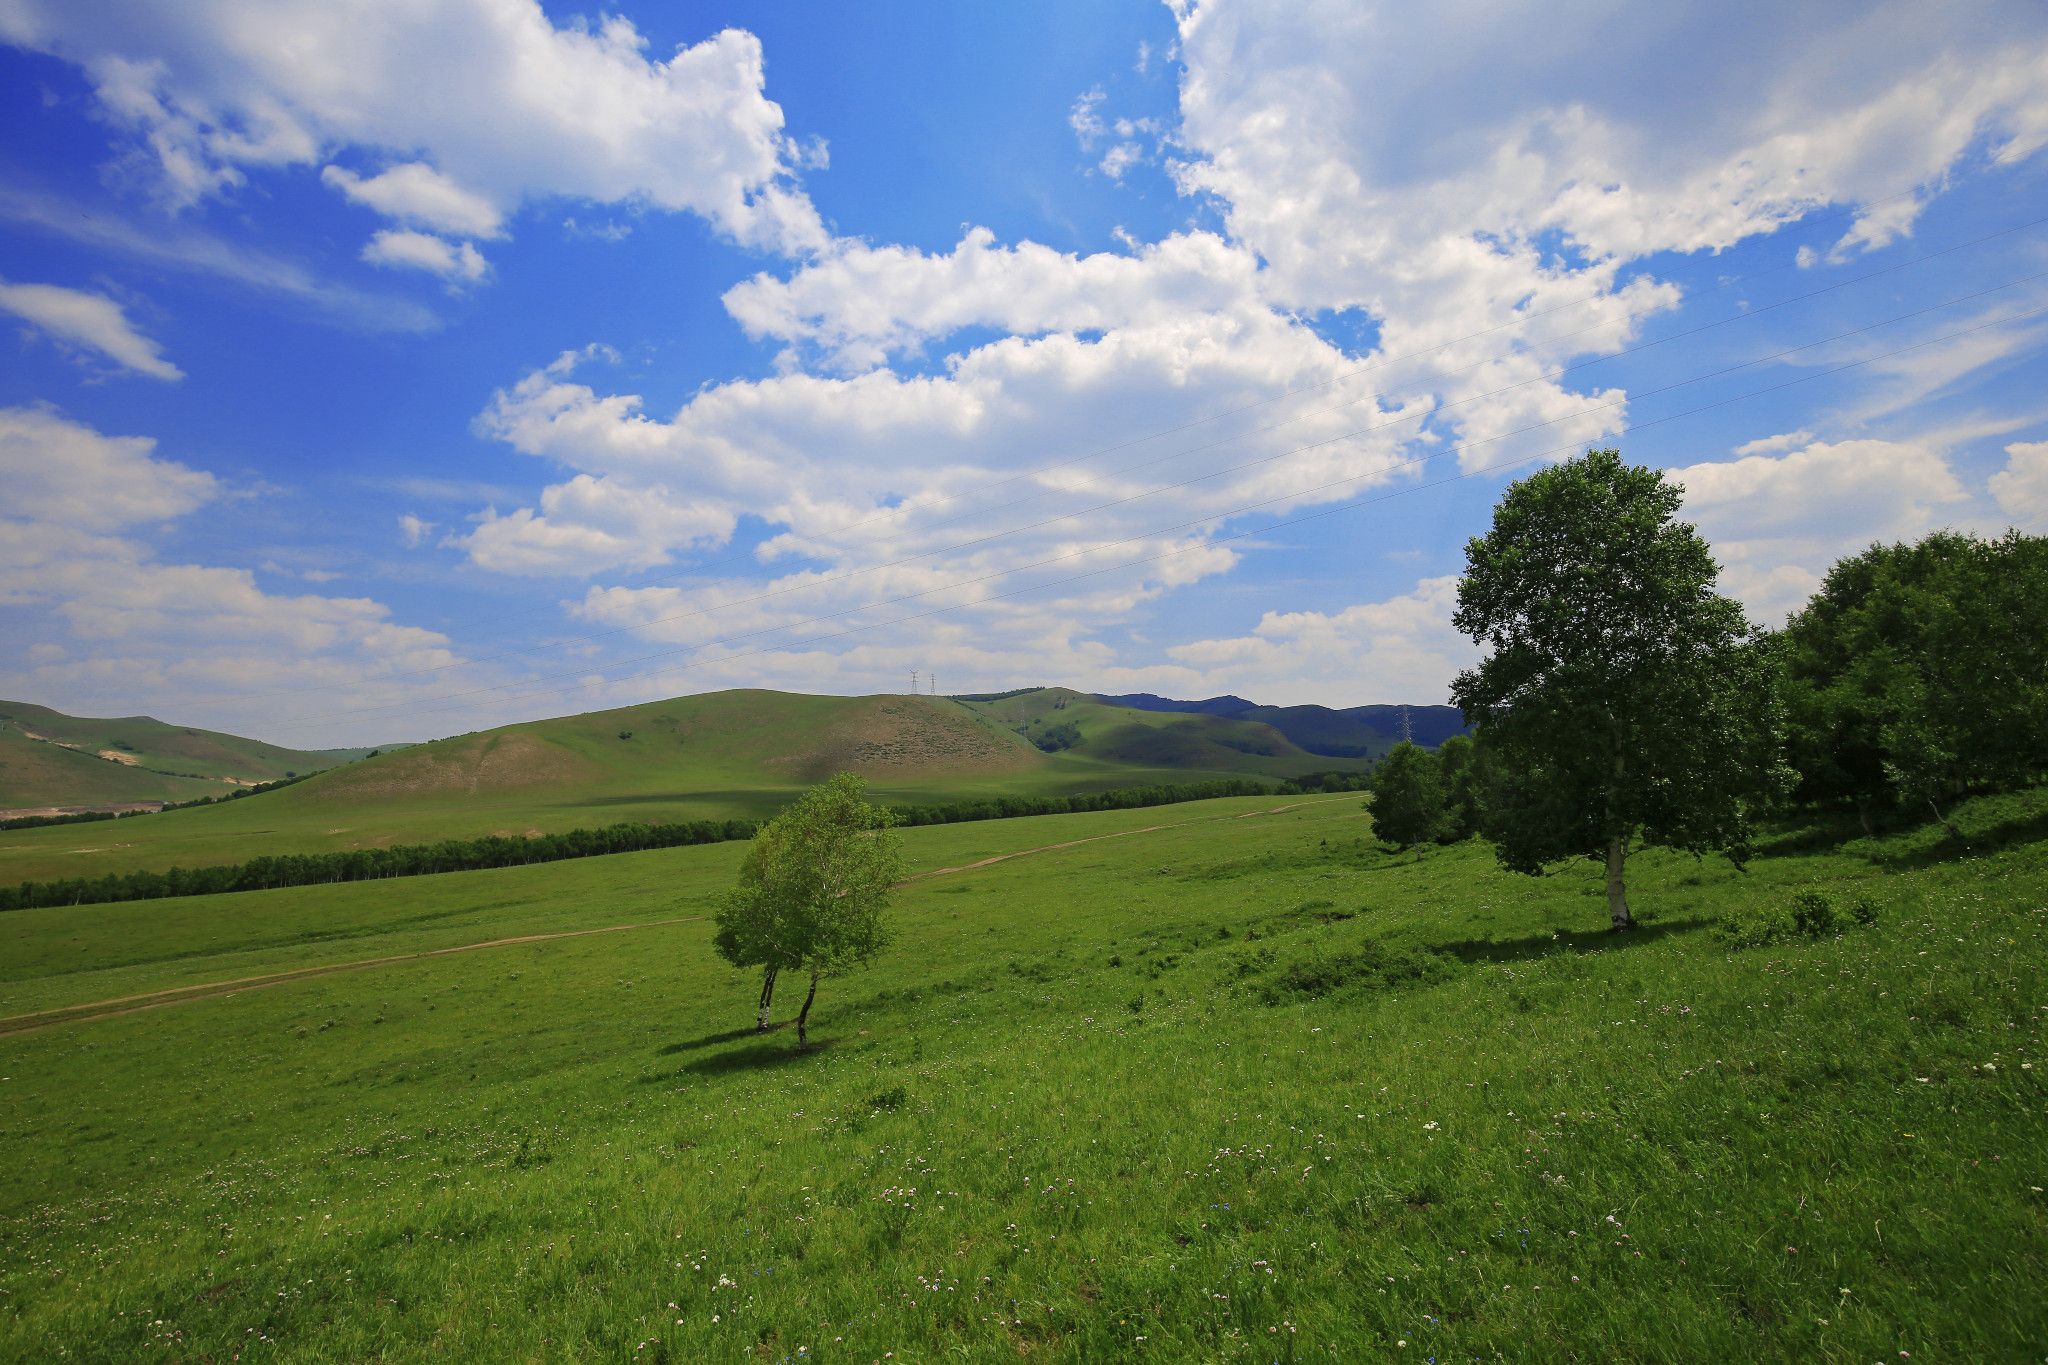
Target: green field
point(1243, 1087)
point(715, 755)
point(50, 759)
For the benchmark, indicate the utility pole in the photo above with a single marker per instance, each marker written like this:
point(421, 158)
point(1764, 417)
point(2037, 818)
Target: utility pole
point(1407, 728)
point(932, 682)
point(913, 682)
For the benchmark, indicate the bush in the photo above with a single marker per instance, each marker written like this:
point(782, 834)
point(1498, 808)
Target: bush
point(1811, 915)
point(1815, 916)
point(1373, 965)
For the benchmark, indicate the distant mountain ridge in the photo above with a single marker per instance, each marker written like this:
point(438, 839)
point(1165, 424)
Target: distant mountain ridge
point(1331, 732)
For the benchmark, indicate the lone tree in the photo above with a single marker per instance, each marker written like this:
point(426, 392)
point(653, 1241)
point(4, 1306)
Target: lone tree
point(1408, 796)
point(811, 892)
point(1624, 700)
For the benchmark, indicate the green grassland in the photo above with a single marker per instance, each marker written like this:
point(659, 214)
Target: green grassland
point(716, 755)
point(50, 759)
point(1242, 1087)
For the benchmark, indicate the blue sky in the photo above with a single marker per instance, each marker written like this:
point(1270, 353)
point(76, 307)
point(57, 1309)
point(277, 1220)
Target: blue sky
point(393, 370)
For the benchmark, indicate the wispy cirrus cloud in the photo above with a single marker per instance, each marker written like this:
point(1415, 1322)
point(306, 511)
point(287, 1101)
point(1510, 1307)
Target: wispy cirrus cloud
point(81, 320)
point(200, 252)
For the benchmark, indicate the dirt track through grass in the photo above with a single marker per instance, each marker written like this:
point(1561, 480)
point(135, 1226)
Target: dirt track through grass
point(112, 1008)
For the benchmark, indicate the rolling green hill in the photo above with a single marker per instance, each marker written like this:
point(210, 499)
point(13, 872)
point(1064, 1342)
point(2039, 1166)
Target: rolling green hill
point(49, 759)
point(719, 754)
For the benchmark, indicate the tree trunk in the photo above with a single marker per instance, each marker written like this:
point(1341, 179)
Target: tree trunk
point(1946, 823)
point(803, 1016)
point(1617, 844)
point(1617, 891)
point(1863, 817)
point(767, 998)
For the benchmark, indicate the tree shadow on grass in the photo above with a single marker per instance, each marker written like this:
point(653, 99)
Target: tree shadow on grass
point(1972, 841)
point(1482, 950)
point(731, 1035)
point(1821, 832)
point(759, 1057)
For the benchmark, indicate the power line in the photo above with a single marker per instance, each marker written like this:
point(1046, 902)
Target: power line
point(1207, 543)
point(846, 575)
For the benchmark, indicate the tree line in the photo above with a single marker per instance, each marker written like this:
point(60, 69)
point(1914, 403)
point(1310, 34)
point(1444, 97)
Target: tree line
point(469, 855)
point(84, 817)
point(1624, 702)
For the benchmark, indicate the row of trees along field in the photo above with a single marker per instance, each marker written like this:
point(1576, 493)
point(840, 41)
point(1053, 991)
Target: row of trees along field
point(469, 855)
point(1624, 701)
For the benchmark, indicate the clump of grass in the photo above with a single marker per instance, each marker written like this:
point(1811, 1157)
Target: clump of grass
point(1811, 914)
point(1372, 965)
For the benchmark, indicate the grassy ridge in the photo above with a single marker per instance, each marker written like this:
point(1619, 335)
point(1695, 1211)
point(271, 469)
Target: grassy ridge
point(50, 759)
point(716, 756)
point(1247, 1088)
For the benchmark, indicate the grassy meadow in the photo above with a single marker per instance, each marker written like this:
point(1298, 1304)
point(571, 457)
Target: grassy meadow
point(1245, 1087)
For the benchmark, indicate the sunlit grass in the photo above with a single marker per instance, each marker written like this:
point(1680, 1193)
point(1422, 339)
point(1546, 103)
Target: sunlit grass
point(1243, 1089)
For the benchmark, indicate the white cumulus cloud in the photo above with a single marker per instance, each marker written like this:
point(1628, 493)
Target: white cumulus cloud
point(423, 251)
point(489, 103)
point(2021, 488)
point(61, 471)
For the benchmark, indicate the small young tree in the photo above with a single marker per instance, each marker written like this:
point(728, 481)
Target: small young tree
point(1624, 699)
point(1408, 796)
point(811, 892)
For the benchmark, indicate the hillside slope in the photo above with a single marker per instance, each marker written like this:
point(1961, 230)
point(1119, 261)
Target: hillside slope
point(48, 758)
point(1078, 728)
point(1332, 732)
point(711, 756)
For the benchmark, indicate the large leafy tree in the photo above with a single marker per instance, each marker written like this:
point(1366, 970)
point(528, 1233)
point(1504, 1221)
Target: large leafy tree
point(1623, 701)
point(1408, 796)
point(811, 892)
point(1919, 673)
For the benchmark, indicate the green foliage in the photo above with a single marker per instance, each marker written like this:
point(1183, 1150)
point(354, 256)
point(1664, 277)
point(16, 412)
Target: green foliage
point(1919, 673)
point(1054, 738)
point(813, 886)
point(1809, 914)
point(1374, 965)
point(371, 864)
point(1408, 797)
point(1622, 698)
point(1468, 775)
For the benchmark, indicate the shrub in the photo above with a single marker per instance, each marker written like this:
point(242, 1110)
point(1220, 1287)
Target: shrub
point(1815, 916)
point(1373, 965)
point(1811, 915)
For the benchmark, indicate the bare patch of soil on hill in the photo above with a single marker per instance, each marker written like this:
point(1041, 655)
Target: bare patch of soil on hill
point(464, 767)
point(890, 737)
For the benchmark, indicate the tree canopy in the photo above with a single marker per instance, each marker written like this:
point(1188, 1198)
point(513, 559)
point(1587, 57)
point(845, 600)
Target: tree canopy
point(1919, 673)
point(812, 889)
point(1623, 699)
point(1408, 796)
